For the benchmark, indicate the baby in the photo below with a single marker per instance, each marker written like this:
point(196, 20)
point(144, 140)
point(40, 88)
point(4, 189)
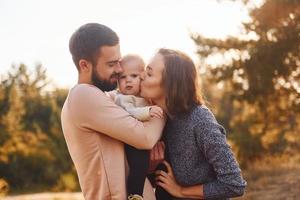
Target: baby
point(128, 97)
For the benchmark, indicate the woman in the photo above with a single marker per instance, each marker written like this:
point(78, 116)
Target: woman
point(200, 164)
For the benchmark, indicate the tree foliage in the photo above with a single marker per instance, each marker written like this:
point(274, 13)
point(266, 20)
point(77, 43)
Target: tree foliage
point(260, 77)
point(33, 152)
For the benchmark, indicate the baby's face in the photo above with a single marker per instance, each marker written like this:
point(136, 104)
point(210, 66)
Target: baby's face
point(129, 79)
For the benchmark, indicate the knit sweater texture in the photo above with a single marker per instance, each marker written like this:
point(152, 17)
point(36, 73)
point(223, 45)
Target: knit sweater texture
point(197, 150)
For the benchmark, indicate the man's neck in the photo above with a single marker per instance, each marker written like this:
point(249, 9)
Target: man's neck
point(84, 80)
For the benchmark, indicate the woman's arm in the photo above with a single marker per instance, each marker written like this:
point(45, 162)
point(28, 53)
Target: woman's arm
point(168, 182)
point(211, 139)
point(192, 192)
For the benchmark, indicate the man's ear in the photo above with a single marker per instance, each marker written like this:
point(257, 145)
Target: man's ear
point(84, 65)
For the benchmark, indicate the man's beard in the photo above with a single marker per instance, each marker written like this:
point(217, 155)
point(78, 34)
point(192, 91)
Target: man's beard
point(103, 85)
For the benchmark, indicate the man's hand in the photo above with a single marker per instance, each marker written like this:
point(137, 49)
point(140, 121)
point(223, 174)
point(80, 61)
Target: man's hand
point(156, 111)
point(157, 155)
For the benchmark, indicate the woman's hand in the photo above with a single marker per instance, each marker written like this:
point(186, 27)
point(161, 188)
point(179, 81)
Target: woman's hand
point(157, 155)
point(168, 181)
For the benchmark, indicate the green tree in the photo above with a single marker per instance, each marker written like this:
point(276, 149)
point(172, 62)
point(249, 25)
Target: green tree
point(261, 78)
point(33, 153)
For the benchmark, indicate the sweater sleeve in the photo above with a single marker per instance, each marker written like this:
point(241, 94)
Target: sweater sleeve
point(211, 139)
point(140, 113)
point(91, 109)
point(128, 103)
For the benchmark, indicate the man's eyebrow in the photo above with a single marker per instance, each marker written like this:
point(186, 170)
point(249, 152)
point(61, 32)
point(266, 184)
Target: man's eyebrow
point(113, 61)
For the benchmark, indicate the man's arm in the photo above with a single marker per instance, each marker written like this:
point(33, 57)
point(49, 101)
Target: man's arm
point(92, 109)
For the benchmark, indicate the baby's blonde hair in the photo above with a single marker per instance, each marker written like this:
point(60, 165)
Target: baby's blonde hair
point(133, 57)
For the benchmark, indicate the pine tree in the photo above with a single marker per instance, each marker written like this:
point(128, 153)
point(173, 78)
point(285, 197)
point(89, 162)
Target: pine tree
point(262, 78)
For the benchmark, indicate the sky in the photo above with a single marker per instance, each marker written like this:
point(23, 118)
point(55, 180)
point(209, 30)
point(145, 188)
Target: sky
point(38, 31)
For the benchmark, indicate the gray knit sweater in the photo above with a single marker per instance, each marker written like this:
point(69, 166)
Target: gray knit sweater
point(197, 150)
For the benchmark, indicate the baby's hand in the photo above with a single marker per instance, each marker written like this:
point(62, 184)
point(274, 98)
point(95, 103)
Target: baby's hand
point(156, 111)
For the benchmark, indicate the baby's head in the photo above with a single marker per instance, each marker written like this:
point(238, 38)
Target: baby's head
point(130, 79)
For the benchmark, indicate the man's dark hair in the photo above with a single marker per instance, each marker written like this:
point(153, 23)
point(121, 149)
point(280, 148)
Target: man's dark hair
point(86, 42)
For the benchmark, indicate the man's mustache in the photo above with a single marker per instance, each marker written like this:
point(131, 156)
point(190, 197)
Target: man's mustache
point(115, 75)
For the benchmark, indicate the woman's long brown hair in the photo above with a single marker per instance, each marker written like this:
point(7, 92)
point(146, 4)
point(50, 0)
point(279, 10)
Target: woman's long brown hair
point(180, 81)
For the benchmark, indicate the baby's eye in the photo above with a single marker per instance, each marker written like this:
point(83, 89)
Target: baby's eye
point(134, 75)
point(122, 77)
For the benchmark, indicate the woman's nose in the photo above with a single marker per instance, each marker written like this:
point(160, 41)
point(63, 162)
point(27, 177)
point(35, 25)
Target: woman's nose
point(143, 76)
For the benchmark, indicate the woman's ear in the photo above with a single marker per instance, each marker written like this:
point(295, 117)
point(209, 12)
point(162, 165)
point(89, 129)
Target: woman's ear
point(84, 65)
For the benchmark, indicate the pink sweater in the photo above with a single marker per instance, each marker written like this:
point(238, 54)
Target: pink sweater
point(95, 129)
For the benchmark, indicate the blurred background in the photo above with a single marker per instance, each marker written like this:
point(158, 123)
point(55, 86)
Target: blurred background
point(248, 57)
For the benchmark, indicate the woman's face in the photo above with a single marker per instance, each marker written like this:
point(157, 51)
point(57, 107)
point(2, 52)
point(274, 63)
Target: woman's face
point(151, 84)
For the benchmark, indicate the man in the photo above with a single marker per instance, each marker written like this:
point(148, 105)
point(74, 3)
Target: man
point(94, 127)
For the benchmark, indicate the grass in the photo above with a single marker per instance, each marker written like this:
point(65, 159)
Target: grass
point(273, 178)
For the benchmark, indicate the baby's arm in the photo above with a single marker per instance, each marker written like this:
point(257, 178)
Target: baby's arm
point(145, 113)
point(142, 113)
point(128, 103)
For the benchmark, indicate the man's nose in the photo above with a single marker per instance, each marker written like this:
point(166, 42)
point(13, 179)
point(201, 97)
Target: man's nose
point(118, 68)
